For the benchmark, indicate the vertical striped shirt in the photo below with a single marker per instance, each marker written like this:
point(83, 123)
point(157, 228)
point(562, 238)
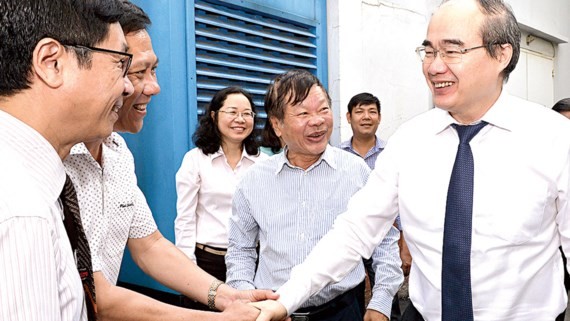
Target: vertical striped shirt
point(38, 275)
point(289, 209)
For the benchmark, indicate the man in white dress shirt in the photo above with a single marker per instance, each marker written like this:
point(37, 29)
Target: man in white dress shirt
point(59, 85)
point(115, 212)
point(520, 211)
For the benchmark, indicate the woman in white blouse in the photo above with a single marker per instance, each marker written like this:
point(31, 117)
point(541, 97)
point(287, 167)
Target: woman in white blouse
point(207, 178)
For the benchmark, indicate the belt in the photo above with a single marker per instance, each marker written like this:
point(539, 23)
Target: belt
point(327, 309)
point(212, 250)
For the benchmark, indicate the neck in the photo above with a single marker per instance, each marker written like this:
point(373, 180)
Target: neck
point(302, 161)
point(362, 144)
point(95, 148)
point(233, 152)
point(468, 116)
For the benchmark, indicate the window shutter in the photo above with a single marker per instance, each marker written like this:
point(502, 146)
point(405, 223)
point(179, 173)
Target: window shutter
point(244, 47)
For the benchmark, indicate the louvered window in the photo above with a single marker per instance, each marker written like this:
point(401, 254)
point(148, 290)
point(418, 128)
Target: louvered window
point(244, 47)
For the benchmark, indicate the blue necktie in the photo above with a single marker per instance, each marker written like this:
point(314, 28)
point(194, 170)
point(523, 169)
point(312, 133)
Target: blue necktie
point(456, 268)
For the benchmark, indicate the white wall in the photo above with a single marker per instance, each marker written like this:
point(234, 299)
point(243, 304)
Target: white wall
point(549, 19)
point(371, 48)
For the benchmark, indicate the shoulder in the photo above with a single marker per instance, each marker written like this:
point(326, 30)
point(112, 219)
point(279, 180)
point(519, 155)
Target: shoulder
point(264, 168)
point(21, 195)
point(192, 161)
point(348, 162)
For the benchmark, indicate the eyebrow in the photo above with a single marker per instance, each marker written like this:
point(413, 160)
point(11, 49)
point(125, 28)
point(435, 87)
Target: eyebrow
point(458, 42)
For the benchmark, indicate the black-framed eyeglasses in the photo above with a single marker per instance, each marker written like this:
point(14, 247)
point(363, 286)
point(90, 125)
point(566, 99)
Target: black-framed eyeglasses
point(450, 54)
point(125, 62)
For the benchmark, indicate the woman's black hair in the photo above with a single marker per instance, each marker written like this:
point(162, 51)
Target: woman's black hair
point(207, 136)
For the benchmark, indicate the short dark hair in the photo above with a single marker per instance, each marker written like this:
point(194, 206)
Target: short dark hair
point(134, 18)
point(363, 99)
point(500, 27)
point(562, 105)
point(291, 87)
point(207, 136)
point(23, 23)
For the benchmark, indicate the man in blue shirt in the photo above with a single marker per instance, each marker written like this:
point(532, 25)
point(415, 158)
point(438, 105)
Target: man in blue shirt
point(309, 184)
point(364, 117)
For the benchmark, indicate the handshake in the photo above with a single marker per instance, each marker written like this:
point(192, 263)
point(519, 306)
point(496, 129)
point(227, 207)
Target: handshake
point(250, 305)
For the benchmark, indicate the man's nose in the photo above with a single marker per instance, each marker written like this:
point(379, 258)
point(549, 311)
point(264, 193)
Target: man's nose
point(128, 89)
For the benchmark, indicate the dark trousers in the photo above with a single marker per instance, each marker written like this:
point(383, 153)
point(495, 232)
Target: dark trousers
point(349, 313)
point(566, 281)
point(347, 307)
point(411, 314)
point(211, 263)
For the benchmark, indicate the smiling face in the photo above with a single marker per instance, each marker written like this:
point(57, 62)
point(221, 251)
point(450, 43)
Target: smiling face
point(466, 89)
point(306, 128)
point(100, 89)
point(142, 74)
point(234, 129)
point(364, 120)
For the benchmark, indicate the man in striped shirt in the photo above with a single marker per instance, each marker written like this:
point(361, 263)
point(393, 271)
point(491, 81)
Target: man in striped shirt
point(290, 201)
point(59, 85)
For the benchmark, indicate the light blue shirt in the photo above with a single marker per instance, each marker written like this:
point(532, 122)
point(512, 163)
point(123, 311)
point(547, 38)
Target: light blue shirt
point(288, 210)
point(371, 155)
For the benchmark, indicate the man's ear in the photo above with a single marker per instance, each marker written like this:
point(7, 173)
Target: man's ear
point(276, 124)
point(348, 117)
point(504, 55)
point(48, 62)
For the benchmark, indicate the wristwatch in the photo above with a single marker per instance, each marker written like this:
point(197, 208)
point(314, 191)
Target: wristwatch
point(212, 293)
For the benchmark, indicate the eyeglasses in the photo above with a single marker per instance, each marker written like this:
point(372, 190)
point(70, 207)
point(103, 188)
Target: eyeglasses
point(125, 62)
point(450, 54)
point(235, 114)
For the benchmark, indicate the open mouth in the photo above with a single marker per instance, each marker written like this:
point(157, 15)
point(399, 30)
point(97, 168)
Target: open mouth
point(317, 135)
point(139, 107)
point(442, 84)
point(116, 108)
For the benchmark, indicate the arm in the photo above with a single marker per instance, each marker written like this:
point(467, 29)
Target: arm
point(187, 188)
point(160, 259)
point(243, 235)
point(563, 206)
point(116, 303)
point(405, 255)
point(386, 263)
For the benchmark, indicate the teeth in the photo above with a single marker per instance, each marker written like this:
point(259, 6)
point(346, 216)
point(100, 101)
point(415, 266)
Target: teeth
point(140, 107)
point(116, 108)
point(443, 84)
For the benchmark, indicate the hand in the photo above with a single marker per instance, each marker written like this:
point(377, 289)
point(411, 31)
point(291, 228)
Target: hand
point(405, 255)
point(239, 311)
point(270, 310)
point(227, 295)
point(373, 315)
point(256, 295)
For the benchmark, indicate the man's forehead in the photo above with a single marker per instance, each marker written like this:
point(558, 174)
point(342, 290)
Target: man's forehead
point(115, 39)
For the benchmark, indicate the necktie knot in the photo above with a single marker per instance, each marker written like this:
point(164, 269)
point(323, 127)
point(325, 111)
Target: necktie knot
point(467, 132)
